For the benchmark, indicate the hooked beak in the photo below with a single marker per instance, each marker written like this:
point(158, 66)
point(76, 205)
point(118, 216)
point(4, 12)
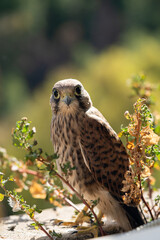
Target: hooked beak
point(67, 100)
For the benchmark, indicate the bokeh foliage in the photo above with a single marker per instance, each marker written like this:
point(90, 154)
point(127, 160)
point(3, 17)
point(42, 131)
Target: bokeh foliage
point(37, 36)
point(104, 76)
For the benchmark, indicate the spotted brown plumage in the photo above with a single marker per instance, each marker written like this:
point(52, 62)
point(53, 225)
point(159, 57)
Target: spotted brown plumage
point(109, 161)
point(83, 137)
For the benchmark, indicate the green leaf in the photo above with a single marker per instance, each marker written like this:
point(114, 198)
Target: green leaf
point(1, 197)
point(35, 225)
point(31, 133)
point(157, 199)
point(31, 156)
point(42, 167)
point(157, 129)
point(18, 124)
point(51, 157)
point(11, 178)
point(25, 128)
point(1, 180)
point(58, 235)
point(16, 142)
point(31, 214)
point(36, 209)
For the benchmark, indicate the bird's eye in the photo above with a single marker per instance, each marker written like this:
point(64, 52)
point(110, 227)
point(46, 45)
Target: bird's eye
point(56, 94)
point(78, 91)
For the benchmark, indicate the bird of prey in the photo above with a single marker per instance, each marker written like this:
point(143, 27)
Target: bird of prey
point(83, 137)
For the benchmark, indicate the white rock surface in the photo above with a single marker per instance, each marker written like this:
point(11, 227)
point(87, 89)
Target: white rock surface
point(17, 227)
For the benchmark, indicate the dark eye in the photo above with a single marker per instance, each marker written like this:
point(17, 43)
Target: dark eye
point(78, 90)
point(56, 94)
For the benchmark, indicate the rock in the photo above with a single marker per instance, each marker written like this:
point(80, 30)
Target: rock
point(18, 227)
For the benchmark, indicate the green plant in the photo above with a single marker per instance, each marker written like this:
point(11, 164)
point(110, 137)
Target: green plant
point(142, 146)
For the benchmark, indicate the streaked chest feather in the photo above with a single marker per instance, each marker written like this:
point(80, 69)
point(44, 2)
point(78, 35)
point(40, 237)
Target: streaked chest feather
point(65, 134)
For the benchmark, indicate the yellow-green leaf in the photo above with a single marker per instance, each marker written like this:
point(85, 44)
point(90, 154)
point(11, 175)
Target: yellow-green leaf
point(1, 197)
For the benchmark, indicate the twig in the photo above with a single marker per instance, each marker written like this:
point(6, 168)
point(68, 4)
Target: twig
point(83, 200)
point(71, 203)
point(31, 172)
point(146, 204)
point(157, 214)
point(150, 196)
point(28, 213)
point(39, 175)
point(138, 166)
point(142, 214)
point(65, 198)
point(42, 228)
point(78, 195)
point(143, 199)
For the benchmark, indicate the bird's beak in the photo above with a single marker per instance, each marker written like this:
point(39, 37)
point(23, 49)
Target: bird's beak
point(67, 100)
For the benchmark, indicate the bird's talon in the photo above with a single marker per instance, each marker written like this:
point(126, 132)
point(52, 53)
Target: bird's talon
point(67, 224)
point(60, 223)
point(75, 226)
point(86, 230)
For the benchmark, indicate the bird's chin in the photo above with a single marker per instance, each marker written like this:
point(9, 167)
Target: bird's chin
point(64, 108)
point(67, 109)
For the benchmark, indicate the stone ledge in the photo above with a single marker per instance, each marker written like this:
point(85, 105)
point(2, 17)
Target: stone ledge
point(17, 227)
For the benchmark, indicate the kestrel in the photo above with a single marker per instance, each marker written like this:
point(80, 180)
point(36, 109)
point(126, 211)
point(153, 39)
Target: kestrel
point(83, 137)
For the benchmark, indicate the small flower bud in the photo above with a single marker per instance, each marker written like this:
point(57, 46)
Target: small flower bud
point(127, 115)
point(24, 118)
point(14, 204)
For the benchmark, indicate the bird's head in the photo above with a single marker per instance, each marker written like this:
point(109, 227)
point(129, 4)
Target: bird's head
point(69, 96)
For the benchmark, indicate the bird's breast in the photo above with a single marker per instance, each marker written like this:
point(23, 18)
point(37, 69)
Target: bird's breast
point(65, 133)
point(65, 136)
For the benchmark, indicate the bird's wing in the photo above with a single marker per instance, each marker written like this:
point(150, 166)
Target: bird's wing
point(103, 152)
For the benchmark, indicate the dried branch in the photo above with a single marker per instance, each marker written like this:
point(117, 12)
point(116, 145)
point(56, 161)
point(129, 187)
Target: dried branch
point(39, 175)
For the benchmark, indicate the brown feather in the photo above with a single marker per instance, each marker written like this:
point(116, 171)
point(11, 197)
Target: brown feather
point(104, 152)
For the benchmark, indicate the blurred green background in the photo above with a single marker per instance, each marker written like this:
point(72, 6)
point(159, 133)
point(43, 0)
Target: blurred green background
point(101, 43)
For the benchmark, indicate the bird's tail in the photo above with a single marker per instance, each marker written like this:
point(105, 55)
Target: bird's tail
point(134, 216)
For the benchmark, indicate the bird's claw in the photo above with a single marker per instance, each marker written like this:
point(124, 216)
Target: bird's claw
point(88, 230)
point(62, 223)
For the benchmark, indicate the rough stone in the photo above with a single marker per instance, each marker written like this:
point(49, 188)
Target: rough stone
point(18, 227)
